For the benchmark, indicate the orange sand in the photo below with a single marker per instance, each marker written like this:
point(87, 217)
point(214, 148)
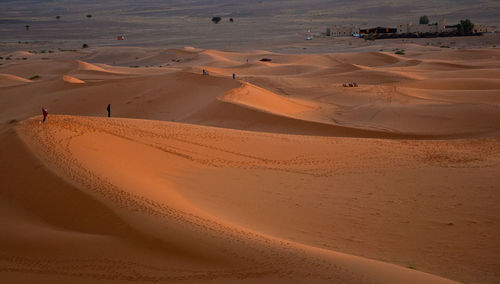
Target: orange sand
point(282, 175)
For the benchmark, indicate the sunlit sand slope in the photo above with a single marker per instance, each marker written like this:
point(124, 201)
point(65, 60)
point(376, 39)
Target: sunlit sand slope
point(129, 171)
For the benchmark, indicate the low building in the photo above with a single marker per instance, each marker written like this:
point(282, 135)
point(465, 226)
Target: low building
point(410, 28)
point(378, 30)
point(481, 29)
point(338, 31)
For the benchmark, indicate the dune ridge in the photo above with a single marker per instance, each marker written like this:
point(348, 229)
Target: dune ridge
point(7, 80)
point(72, 80)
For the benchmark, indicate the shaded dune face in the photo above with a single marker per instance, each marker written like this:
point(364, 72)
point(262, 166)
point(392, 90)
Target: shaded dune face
point(282, 174)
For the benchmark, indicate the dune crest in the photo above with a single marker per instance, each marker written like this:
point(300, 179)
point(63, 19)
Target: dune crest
point(258, 98)
point(72, 80)
point(7, 80)
point(81, 65)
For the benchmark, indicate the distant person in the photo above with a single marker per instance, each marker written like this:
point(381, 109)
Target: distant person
point(45, 113)
point(109, 110)
point(234, 76)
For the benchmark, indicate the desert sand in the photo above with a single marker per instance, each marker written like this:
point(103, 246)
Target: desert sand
point(281, 175)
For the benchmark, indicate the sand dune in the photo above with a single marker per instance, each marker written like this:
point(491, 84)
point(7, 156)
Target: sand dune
point(72, 80)
point(152, 205)
point(7, 80)
point(258, 98)
point(458, 84)
point(279, 175)
point(80, 65)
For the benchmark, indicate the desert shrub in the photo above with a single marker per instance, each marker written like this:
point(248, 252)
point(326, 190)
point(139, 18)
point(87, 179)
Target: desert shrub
point(85, 45)
point(216, 20)
point(35, 77)
point(266, 59)
point(369, 36)
point(400, 52)
point(12, 121)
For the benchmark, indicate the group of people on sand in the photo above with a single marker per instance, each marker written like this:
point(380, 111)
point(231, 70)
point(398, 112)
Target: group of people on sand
point(45, 112)
point(353, 84)
point(205, 72)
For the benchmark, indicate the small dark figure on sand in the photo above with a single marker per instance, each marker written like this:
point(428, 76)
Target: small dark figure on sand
point(45, 112)
point(109, 110)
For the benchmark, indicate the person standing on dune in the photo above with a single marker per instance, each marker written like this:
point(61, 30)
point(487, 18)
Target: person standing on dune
point(45, 113)
point(109, 110)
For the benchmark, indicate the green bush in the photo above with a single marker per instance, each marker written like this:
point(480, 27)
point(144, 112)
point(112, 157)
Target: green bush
point(424, 20)
point(216, 20)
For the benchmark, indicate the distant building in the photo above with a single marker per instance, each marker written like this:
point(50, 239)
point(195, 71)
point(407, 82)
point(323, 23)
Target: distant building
point(378, 30)
point(410, 28)
point(402, 29)
point(481, 29)
point(338, 31)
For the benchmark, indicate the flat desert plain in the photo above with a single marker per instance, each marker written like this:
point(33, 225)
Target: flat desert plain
point(281, 175)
